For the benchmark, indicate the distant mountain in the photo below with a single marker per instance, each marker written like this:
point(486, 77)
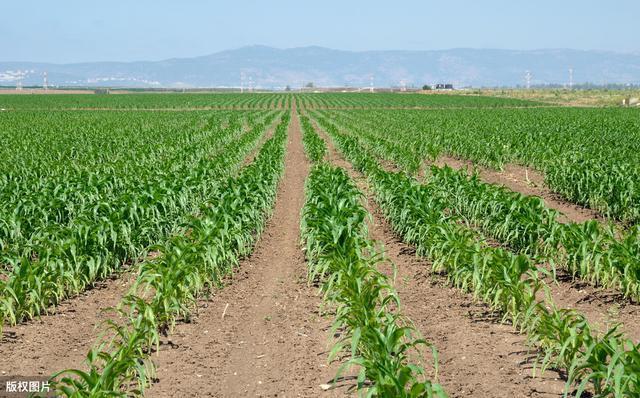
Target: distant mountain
point(269, 67)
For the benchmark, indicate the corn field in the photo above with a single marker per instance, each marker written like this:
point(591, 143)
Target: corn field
point(181, 192)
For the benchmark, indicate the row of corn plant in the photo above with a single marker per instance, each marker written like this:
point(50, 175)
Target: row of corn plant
point(59, 262)
point(368, 308)
point(96, 159)
point(187, 267)
point(373, 333)
point(404, 100)
point(589, 156)
point(595, 253)
point(608, 364)
point(141, 101)
point(314, 146)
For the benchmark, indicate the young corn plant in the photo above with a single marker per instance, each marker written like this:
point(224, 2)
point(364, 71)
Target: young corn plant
point(314, 146)
point(377, 338)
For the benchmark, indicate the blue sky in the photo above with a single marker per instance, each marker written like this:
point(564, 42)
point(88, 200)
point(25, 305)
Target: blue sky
point(125, 30)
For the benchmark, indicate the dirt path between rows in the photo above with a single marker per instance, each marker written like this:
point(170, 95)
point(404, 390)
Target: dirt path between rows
point(262, 335)
point(479, 356)
point(61, 339)
point(527, 182)
point(602, 307)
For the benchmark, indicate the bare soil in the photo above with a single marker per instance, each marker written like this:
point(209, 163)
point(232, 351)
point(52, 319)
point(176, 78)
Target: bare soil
point(61, 339)
point(602, 307)
point(478, 355)
point(262, 335)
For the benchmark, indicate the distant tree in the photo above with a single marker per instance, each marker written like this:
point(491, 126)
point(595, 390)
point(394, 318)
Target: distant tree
point(309, 85)
point(288, 88)
point(426, 87)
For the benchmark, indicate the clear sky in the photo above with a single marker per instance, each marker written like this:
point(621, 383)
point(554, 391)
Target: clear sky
point(126, 30)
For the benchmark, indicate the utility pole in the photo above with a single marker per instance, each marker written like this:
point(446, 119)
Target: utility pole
point(570, 78)
point(527, 78)
point(45, 83)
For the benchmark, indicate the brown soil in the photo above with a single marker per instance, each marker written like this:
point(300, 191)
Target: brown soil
point(62, 339)
point(527, 182)
point(602, 308)
point(262, 335)
point(479, 356)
